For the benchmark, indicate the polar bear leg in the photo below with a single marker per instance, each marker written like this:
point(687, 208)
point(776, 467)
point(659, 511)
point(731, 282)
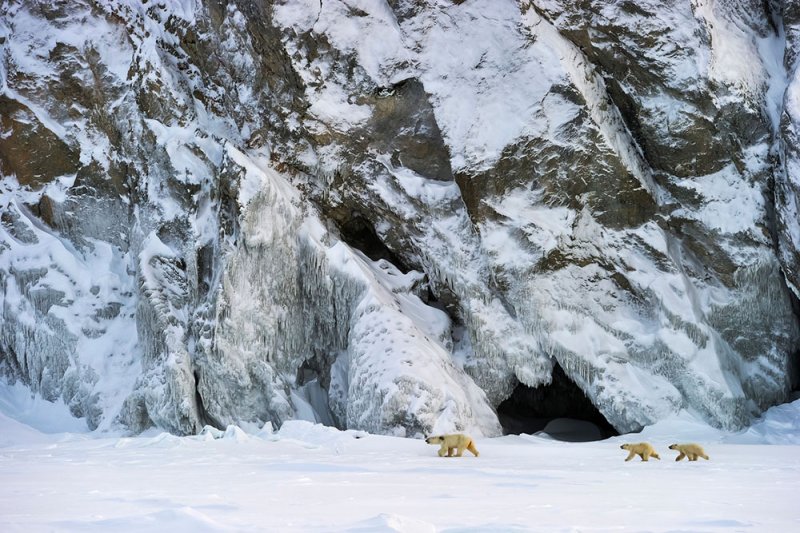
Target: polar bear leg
point(471, 447)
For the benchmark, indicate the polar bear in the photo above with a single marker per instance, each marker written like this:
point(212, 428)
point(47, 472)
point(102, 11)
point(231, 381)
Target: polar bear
point(692, 451)
point(643, 449)
point(452, 442)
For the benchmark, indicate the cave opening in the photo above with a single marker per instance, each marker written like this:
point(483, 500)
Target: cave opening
point(560, 409)
point(310, 395)
point(359, 233)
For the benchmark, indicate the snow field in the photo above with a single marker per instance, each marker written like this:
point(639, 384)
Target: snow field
point(309, 477)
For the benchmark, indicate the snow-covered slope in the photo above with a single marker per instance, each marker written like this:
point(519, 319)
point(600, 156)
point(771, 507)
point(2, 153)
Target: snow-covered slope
point(391, 215)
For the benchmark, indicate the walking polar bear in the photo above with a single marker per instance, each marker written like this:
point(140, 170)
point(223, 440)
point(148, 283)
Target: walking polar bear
point(692, 451)
point(453, 445)
point(644, 450)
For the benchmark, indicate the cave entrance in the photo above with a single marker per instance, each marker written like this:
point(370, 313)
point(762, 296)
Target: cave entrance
point(560, 409)
point(359, 233)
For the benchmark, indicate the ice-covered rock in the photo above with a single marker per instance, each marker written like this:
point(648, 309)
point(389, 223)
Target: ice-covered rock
point(388, 215)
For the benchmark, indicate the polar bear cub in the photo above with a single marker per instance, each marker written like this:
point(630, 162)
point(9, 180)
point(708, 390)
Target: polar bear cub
point(453, 444)
point(690, 450)
point(644, 450)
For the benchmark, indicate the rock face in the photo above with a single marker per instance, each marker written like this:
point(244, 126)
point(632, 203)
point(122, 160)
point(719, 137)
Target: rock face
point(787, 183)
point(387, 215)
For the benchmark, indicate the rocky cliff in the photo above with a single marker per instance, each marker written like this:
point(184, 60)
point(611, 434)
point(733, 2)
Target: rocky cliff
point(391, 215)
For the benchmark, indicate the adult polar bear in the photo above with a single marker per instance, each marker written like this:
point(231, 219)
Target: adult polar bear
point(452, 442)
point(644, 450)
point(691, 450)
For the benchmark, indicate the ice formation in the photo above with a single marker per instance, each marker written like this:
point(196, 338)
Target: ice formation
point(386, 216)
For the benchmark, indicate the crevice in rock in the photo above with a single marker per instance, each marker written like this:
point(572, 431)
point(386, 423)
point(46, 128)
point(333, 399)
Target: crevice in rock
point(204, 417)
point(445, 300)
point(561, 409)
point(10, 369)
point(313, 382)
point(794, 358)
point(358, 232)
point(315, 368)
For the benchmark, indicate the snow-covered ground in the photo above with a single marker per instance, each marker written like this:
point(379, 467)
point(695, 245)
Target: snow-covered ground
point(305, 477)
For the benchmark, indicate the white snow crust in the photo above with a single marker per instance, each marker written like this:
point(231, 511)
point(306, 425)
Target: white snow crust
point(308, 477)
